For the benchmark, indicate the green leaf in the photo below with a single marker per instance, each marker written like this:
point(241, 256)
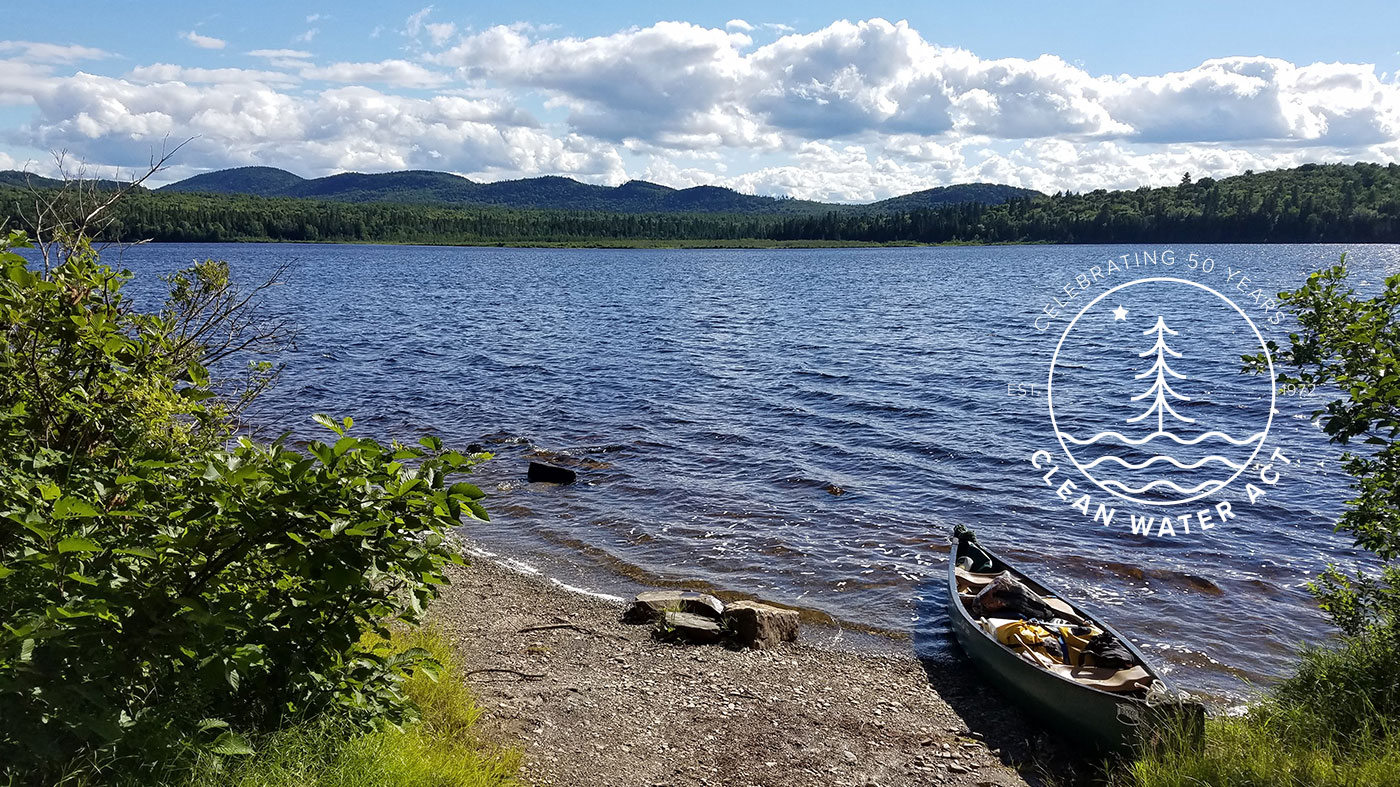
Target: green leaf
point(74, 544)
point(470, 490)
point(345, 444)
point(478, 512)
point(329, 423)
point(72, 507)
point(137, 552)
point(38, 529)
point(231, 744)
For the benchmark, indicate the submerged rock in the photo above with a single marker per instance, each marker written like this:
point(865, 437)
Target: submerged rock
point(688, 628)
point(652, 605)
point(539, 471)
point(755, 625)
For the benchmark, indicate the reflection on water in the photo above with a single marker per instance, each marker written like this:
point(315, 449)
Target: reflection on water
point(801, 425)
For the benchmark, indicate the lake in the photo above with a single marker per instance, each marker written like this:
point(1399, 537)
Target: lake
point(808, 425)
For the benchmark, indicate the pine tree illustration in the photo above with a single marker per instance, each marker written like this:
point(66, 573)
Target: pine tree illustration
point(1160, 390)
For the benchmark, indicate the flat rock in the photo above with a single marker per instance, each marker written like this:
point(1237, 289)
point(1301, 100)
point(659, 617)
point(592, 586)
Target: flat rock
point(688, 628)
point(756, 625)
point(649, 606)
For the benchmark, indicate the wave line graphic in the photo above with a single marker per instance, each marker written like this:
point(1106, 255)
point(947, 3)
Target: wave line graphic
point(1164, 458)
point(1257, 436)
point(1202, 487)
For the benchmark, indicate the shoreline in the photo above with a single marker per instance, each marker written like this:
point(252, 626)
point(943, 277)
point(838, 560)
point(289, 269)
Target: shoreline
point(620, 580)
point(750, 244)
point(592, 700)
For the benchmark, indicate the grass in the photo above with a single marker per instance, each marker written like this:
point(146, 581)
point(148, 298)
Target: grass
point(439, 750)
point(1335, 723)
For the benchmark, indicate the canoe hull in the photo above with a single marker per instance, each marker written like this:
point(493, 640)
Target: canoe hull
point(1095, 719)
point(1092, 718)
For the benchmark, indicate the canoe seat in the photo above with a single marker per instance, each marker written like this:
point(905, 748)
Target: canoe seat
point(970, 582)
point(1061, 606)
point(1123, 681)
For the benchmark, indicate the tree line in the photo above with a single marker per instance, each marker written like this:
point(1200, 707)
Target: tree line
point(1311, 203)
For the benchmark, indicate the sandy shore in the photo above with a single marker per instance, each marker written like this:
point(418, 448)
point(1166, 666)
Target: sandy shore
point(596, 702)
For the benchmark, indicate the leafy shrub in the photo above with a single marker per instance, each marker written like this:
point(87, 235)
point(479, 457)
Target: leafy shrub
point(163, 585)
point(1335, 721)
point(438, 750)
point(1351, 345)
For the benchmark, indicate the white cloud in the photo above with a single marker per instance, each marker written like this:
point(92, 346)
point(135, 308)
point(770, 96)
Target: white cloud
point(203, 42)
point(856, 110)
point(413, 25)
point(166, 72)
point(291, 59)
point(1258, 98)
point(306, 37)
point(281, 54)
point(673, 78)
point(439, 32)
point(40, 52)
point(701, 86)
point(345, 128)
point(417, 24)
point(398, 73)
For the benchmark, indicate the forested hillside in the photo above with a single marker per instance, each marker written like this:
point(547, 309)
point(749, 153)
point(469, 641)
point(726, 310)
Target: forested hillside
point(1356, 203)
point(420, 187)
point(1344, 203)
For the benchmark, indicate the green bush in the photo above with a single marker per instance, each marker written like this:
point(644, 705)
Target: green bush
point(1350, 345)
point(438, 750)
point(164, 585)
point(1335, 720)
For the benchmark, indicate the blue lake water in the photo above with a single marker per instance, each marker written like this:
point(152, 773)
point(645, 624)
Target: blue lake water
point(807, 425)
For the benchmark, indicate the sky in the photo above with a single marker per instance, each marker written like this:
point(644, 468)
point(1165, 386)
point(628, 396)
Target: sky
point(848, 102)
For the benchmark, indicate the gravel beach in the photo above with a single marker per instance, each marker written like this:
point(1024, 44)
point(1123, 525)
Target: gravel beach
point(594, 701)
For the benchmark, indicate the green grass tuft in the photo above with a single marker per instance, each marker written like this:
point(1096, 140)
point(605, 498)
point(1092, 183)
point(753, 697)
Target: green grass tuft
point(1333, 724)
point(439, 750)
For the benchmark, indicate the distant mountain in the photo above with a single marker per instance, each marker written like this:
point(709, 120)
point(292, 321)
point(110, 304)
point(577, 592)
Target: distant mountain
point(985, 193)
point(553, 193)
point(16, 178)
point(257, 181)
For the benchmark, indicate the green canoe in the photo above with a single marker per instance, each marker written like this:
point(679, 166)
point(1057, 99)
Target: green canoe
point(1111, 719)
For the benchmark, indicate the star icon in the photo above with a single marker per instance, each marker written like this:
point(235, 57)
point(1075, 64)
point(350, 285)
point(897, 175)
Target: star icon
point(1120, 313)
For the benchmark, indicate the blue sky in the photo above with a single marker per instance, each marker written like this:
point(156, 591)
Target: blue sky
point(816, 99)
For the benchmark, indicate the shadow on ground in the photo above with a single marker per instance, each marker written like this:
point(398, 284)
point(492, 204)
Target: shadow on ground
point(1042, 757)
